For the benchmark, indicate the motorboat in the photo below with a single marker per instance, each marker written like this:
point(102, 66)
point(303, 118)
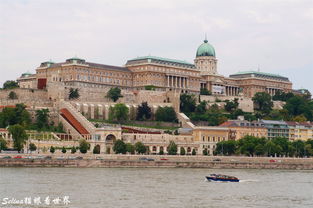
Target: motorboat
point(224, 178)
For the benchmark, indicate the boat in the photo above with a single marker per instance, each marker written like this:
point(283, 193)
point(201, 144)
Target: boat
point(224, 178)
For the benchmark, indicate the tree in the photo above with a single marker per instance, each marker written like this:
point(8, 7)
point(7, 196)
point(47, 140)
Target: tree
point(193, 152)
point(166, 114)
point(182, 151)
point(201, 108)
point(3, 144)
point(172, 148)
point(73, 150)
point(73, 94)
point(19, 136)
point(32, 147)
point(205, 91)
point(226, 147)
point(12, 116)
point(263, 102)
point(231, 106)
point(12, 95)
point(259, 150)
point(205, 151)
point(143, 112)
point(114, 94)
point(96, 149)
point(298, 105)
point(63, 150)
point(10, 84)
point(84, 146)
point(52, 149)
point(42, 119)
point(119, 113)
point(140, 148)
point(187, 103)
point(119, 147)
point(150, 87)
point(130, 148)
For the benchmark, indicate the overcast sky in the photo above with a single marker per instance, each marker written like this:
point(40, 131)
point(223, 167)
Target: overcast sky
point(274, 36)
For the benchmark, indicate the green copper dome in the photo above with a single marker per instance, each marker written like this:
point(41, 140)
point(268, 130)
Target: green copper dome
point(205, 49)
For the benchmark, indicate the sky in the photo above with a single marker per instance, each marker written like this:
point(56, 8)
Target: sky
point(274, 36)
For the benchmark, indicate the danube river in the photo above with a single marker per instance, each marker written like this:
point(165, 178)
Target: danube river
point(154, 187)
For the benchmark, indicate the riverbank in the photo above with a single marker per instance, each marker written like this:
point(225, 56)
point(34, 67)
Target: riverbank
point(159, 161)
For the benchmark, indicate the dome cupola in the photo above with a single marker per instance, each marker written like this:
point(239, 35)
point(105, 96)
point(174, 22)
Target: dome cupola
point(205, 49)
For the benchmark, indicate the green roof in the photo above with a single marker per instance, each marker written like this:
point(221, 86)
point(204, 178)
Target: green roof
point(161, 59)
point(259, 73)
point(205, 49)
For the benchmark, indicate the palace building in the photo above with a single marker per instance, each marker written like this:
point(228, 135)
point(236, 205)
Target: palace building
point(162, 74)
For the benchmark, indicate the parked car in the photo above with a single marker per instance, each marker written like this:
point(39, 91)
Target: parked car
point(163, 159)
point(272, 161)
point(79, 158)
point(150, 159)
point(18, 157)
point(143, 158)
point(217, 160)
point(48, 157)
point(71, 157)
point(99, 158)
point(6, 157)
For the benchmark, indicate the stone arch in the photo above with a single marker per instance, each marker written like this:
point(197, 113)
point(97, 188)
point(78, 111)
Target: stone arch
point(111, 138)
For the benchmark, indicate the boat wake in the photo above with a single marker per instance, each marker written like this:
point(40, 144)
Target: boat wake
point(247, 181)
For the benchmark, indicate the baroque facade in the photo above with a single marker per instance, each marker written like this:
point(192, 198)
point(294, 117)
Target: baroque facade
point(162, 74)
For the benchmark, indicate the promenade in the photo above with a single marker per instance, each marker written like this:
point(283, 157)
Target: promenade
point(159, 161)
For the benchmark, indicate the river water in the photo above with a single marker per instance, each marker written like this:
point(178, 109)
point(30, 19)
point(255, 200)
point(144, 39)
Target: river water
point(154, 187)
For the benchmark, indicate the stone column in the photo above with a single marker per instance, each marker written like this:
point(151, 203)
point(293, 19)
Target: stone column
point(168, 81)
point(172, 80)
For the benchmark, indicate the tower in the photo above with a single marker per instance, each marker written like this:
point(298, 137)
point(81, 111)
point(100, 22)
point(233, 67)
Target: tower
point(205, 59)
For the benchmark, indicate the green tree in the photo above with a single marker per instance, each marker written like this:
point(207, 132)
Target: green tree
point(205, 91)
point(114, 94)
point(263, 102)
point(12, 95)
point(32, 147)
point(119, 147)
point(166, 114)
point(63, 150)
point(205, 151)
point(42, 119)
point(187, 103)
point(172, 148)
point(119, 113)
point(3, 144)
point(182, 151)
point(143, 111)
point(52, 149)
point(10, 84)
point(231, 106)
point(298, 105)
point(73, 94)
point(201, 108)
point(272, 149)
point(84, 146)
point(140, 148)
point(259, 150)
point(226, 147)
point(73, 150)
point(19, 136)
point(96, 149)
point(193, 152)
point(130, 148)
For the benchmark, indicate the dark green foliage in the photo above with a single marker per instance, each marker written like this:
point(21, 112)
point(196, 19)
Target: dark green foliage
point(231, 106)
point(263, 102)
point(166, 114)
point(84, 146)
point(143, 112)
point(226, 147)
point(205, 91)
point(130, 148)
point(3, 144)
point(32, 147)
point(282, 96)
point(42, 119)
point(19, 136)
point(73, 150)
point(114, 94)
point(172, 148)
point(12, 116)
point(201, 108)
point(205, 151)
point(63, 150)
point(96, 149)
point(12, 95)
point(119, 147)
point(182, 151)
point(140, 148)
point(119, 113)
point(150, 87)
point(193, 152)
point(10, 84)
point(52, 149)
point(187, 103)
point(73, 94)
point(298, 105)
